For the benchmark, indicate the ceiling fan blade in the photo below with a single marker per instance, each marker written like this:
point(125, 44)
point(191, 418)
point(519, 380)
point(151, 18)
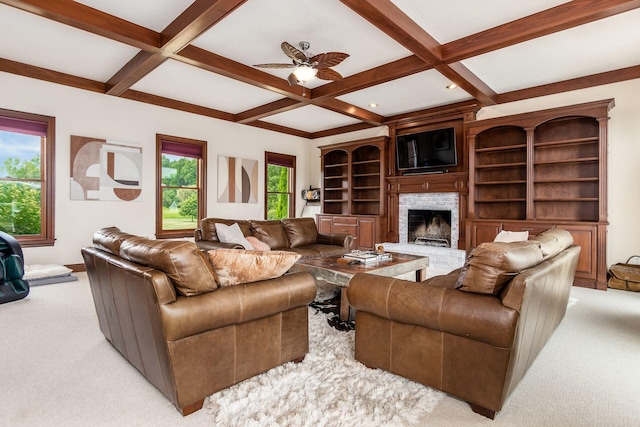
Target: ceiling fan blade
point(275, 65)
point(329, 59)
point(292, 79)
point(328, 74)
point(293, 53)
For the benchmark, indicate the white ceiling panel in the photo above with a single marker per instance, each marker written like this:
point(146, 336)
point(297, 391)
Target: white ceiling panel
point(253, 33)
point(179, 81)
point(588, 49)
point(453, 19)
point(310, 119)
point(152, 14)
point(59, 47)
point(418, 91)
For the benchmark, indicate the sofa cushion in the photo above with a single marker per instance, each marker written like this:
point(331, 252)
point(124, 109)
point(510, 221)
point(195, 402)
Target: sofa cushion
point(300, 231)
point(553, 241)
point(109, 239)
point(185, 264)
point(208, 227)
point(511, 236)
point(237, 266)
point(257, 244)
point(232, 234)
point(271, 232)
point(493, 264)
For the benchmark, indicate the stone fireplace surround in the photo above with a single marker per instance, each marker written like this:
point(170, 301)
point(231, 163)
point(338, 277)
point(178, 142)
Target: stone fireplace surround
point(441, 260)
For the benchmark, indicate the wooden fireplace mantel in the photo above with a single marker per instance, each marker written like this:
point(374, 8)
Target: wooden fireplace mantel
point(448, 182)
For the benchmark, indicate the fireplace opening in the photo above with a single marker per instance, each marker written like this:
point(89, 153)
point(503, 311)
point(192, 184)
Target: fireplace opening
point(429, 227)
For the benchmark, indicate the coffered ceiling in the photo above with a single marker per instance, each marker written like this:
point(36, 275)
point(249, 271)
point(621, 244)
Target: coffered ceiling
point(198, 56)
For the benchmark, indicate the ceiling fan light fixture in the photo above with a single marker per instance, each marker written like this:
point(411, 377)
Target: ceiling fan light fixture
point(304, 73)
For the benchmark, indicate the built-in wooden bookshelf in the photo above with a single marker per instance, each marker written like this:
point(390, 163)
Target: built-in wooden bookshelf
point(353, 189)
point(543, 169)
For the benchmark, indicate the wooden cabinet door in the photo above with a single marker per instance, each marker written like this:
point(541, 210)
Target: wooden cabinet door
point(367, 233)
point(324, 224)
point(483, 232)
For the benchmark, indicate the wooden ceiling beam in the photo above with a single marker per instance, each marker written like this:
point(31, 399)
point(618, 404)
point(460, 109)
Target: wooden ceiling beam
point(341, 107)
point(176, 105)
point(592, 80)
point(281, 129)
point(372, 77)
point(464, 78)
point(386, 16)
point(559, 18)
point(31, 71)
point(396, 24)
point(226, 67)
point(340, 130)
point(196, 19)
point(279, 106)
point(86, 18)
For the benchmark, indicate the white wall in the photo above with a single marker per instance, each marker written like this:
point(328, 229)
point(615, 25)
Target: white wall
point(624, 155)
point(84, 113)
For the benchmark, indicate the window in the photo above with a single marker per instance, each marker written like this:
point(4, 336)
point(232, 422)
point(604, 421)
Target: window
point(27, 177)
point(181, 171)
point(280, 178)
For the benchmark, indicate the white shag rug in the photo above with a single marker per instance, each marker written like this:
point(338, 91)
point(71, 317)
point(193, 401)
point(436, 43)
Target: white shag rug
point(329, 388)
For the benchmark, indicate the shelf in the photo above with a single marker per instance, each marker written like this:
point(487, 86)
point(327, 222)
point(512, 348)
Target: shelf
point(519, 181)
point(366, 162)
point(558, 180)
point(568, 199)
point(336, 165)
point(335, 201)
point(371, 187)
point(562, 142)
point(501, 200)
point(563, 161)
point(502, 165)
point(364, 175)
point(503, 148)
point(336, 177)
point(366, 200)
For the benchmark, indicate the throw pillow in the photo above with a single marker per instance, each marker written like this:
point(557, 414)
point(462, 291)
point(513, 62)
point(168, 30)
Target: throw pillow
point(257, 244)
point(181, 260)
point(493, 264)
point(511, 236)
point(232, 234)
point(237, 266)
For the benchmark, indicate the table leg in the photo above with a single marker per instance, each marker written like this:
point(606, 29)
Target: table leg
point(344, 304)
point(421, 274)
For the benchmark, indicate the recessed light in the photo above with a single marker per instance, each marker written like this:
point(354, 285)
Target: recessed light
point(373, 105)
point(452, 86)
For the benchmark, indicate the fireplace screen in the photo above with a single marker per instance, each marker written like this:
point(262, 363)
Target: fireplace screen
point(429, 227)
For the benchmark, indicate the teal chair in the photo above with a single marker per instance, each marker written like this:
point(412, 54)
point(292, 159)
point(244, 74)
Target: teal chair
point(12, 286)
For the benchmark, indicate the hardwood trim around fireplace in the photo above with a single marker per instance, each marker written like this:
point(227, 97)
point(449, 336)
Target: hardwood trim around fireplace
point(455, 182)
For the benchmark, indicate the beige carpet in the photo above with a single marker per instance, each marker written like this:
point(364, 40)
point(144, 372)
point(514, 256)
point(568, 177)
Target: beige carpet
point(57, 369)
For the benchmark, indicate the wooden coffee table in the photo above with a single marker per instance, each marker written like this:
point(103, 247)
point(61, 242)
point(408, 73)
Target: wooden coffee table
point(328, 269)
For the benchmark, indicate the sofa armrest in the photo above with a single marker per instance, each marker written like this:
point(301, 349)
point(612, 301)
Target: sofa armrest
point(209, 245)
point(474, 316)
point(345, 240)
point(237, 304)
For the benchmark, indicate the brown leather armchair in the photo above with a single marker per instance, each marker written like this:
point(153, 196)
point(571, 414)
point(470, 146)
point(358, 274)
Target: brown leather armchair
point(190, 347)
point(476, 344)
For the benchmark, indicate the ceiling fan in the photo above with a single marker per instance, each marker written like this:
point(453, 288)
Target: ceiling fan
point(306, 66)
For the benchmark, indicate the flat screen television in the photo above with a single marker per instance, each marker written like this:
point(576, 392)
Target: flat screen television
point(424, 151)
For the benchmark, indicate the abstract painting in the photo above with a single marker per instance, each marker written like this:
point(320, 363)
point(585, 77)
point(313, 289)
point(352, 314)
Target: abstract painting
point(105, 170)
point(237, 180)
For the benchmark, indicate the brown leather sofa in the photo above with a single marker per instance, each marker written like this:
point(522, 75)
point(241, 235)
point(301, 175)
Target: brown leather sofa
point(190, 347)
point(298, 235)
point(474, 332)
